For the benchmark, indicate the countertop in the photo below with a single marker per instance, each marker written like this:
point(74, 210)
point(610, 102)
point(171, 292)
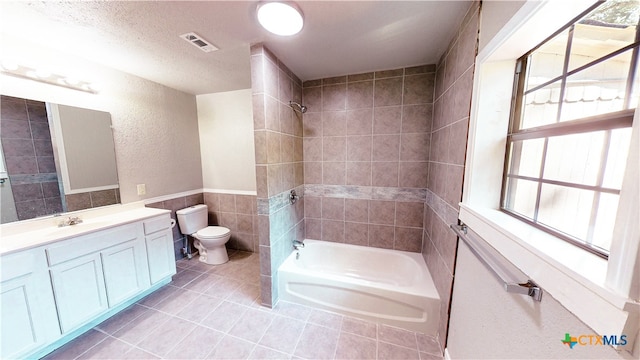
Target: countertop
point(23, 235)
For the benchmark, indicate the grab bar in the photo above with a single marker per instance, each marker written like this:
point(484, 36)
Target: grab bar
point(499, 271)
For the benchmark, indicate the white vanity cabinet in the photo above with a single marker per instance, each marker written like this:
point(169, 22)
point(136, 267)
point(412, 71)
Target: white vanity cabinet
point(28, 314)
point(97, 271)
point(125, 271)
point(79, 291)
point(54, 289)
point(159, 241)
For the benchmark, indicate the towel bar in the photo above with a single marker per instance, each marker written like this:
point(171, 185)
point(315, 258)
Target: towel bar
point(501, 273)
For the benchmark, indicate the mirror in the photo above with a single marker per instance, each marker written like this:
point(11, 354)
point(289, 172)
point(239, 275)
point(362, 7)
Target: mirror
point(55, 158)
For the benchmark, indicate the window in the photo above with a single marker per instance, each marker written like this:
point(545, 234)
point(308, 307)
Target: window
point(570, 128)
point(602, 293)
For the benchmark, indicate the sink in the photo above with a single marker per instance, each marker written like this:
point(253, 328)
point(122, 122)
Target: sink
point(28, 234)
point(85, 226)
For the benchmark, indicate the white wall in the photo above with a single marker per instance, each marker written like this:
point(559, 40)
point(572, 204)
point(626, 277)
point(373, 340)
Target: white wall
point(155, 127)
point(489, 323)
point(225, 121)
point(494, 14)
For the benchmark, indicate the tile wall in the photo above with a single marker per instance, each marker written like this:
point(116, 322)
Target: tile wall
point(239, 214)
point(453, 88)
point(366, 152)
point(92, 199)
point(174, 205)
point(279, 166)
point(236, 212)
point(28, 154)
point(382, 158)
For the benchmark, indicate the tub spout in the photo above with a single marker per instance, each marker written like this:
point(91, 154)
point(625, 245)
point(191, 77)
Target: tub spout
point(298, 245)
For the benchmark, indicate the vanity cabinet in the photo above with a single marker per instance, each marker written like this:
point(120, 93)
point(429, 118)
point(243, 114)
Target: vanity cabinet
point(95, 272)
point(159, 242)
point(79, 291)
point(54, 291)
point(125, 272)
point(28, 312)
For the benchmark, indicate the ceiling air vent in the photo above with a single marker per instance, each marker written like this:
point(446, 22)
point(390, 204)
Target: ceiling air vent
point(197, 41)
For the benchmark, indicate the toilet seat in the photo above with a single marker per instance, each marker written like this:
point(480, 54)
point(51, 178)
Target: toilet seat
point(213, 232)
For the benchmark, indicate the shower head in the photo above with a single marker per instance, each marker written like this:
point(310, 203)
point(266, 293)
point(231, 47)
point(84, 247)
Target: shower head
point(295, 106)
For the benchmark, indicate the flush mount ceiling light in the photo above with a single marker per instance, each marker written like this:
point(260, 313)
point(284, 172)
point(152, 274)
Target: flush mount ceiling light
point(280, 18)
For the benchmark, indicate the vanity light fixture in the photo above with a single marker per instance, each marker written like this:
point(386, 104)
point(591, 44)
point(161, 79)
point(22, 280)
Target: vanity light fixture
point(280, 18)
point(46, 77)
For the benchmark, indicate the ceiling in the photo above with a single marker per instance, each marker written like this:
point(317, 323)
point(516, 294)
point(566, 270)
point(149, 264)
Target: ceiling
point(142, 37)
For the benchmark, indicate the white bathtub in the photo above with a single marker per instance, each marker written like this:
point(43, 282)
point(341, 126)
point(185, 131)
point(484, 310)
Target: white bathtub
point(385, 286)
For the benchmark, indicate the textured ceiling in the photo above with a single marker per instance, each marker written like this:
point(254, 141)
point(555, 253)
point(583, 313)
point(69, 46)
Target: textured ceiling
point(142, 37)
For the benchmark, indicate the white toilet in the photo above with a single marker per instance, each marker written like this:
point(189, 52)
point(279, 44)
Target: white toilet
point(209, 240)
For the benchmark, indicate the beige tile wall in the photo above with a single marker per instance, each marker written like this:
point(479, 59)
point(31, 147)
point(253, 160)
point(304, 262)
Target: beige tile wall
point(383, 157)
point(174, 205)
point(453, 87)
point(279, 167)
point(366, 151)
point(92, 199)
point(236, 212)
point(28, 156)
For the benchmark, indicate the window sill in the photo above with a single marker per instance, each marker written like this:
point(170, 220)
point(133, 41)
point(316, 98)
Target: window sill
point(574, 277)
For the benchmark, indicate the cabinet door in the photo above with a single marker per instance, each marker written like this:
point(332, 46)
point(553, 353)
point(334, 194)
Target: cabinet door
point(124, 268)
point(27, 311)
point(78, 286)
point(162, 262)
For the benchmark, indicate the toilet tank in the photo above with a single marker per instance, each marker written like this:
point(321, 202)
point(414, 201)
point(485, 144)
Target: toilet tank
point(192, 219)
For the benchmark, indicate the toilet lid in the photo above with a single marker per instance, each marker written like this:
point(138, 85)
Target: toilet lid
point(213, 232)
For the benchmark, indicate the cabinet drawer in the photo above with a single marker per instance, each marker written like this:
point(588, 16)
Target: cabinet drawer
point(156, 224)
point(15, 265)
point(86, 244)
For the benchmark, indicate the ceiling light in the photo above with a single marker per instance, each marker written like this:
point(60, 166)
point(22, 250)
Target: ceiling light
point(280, 18)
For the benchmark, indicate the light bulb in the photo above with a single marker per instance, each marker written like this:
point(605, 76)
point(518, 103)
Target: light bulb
point(280, 18)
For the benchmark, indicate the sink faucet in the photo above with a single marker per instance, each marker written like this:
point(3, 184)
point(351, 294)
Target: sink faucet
point(71, 220)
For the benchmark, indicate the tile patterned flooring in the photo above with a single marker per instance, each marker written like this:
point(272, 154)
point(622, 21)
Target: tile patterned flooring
point(214, 312)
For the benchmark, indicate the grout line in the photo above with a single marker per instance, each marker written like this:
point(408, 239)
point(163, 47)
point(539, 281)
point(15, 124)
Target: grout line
point(91, 347)
point(262, 337)
point(377, 340)
point(308, 321)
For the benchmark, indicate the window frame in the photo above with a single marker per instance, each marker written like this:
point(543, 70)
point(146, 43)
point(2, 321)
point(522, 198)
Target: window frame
point(604, 122)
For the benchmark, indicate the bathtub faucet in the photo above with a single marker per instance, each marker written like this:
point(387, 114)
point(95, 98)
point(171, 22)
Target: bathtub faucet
point(298, 245)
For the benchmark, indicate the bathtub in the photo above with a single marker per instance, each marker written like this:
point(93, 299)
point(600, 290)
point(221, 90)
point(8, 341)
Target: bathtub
point(385, 286)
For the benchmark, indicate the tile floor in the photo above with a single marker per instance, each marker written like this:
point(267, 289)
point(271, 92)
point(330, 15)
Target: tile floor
point(213, 312)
